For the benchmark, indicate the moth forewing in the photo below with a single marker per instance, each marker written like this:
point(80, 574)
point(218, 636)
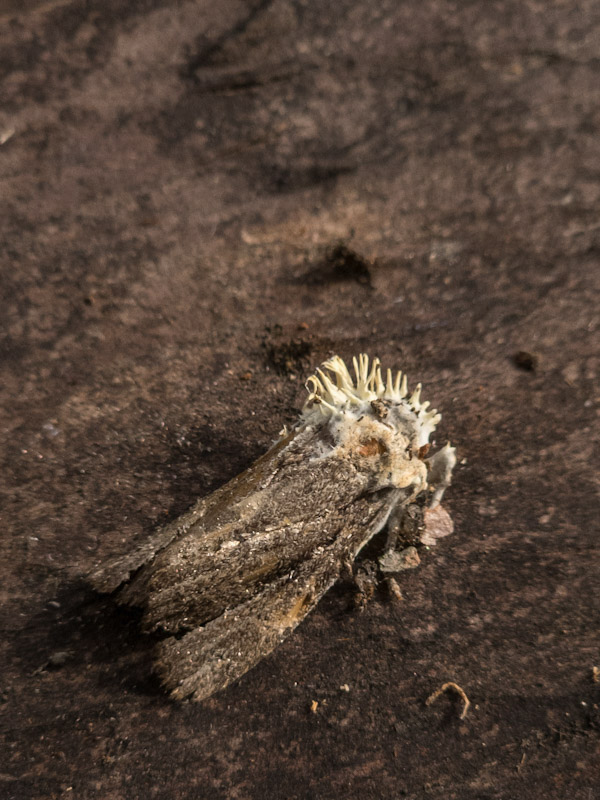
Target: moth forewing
point(229, 554)
point(231, 578)
point(208, 658)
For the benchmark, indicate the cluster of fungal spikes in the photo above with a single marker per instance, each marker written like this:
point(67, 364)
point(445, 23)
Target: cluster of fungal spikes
point(335, 393)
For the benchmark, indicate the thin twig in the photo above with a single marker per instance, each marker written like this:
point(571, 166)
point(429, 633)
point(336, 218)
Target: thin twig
point(461, 692)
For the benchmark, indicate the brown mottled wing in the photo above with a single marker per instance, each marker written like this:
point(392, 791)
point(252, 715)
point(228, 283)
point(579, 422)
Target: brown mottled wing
point(117, 571)
point(230, 579)
point(245, 535)
point(222, 563)
point(209, 658)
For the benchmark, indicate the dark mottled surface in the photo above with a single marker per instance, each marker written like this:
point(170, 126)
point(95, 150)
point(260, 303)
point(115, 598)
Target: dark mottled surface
point(172, 177)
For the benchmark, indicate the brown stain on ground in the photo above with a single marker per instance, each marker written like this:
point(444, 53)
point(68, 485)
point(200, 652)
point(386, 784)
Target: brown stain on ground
point(170, 174)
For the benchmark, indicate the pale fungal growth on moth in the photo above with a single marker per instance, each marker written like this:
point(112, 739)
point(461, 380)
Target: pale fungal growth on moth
point(230, 579)
point(347, 394)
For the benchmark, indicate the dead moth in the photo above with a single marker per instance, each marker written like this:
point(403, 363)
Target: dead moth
point(231, 578)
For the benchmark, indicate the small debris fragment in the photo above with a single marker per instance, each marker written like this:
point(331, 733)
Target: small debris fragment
point(527, 361)
point(398, 561)
point(245, 376)
point(454, 686)
point(347, 264)
point(365, 579)
point(394, 588)
point(50, 429)
point(314, 706)
point(6, 134)
point(344, 688)
point(438, 523)
point(58, 659)
point(55, 661)
point(286, 355)
point(596, 674)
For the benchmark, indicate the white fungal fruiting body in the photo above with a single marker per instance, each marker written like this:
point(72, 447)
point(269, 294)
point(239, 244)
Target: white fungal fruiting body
point(364, 413)
point(348, 396)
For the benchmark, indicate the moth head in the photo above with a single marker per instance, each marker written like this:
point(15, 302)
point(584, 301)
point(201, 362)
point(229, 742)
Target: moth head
point(381, 427)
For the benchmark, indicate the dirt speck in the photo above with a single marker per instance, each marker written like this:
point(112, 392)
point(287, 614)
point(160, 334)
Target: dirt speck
point(526, 360)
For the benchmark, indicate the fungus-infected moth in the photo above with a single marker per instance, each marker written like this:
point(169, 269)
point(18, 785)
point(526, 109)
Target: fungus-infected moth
point(231, 578)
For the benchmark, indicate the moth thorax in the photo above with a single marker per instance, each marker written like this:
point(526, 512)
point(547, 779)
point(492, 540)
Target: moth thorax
point(384, 449)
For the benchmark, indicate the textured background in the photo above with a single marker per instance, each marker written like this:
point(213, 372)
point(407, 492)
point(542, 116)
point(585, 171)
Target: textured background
point(173, 176)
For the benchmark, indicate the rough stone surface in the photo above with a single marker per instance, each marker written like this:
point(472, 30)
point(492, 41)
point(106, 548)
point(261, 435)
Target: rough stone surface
point(200, 201)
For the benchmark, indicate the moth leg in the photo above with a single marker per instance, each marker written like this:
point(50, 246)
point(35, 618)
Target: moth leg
point(366, 579)
point(440, 472)
point(405, 528)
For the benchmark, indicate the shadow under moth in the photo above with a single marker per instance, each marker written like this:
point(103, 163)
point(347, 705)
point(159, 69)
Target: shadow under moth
point(226, 582)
